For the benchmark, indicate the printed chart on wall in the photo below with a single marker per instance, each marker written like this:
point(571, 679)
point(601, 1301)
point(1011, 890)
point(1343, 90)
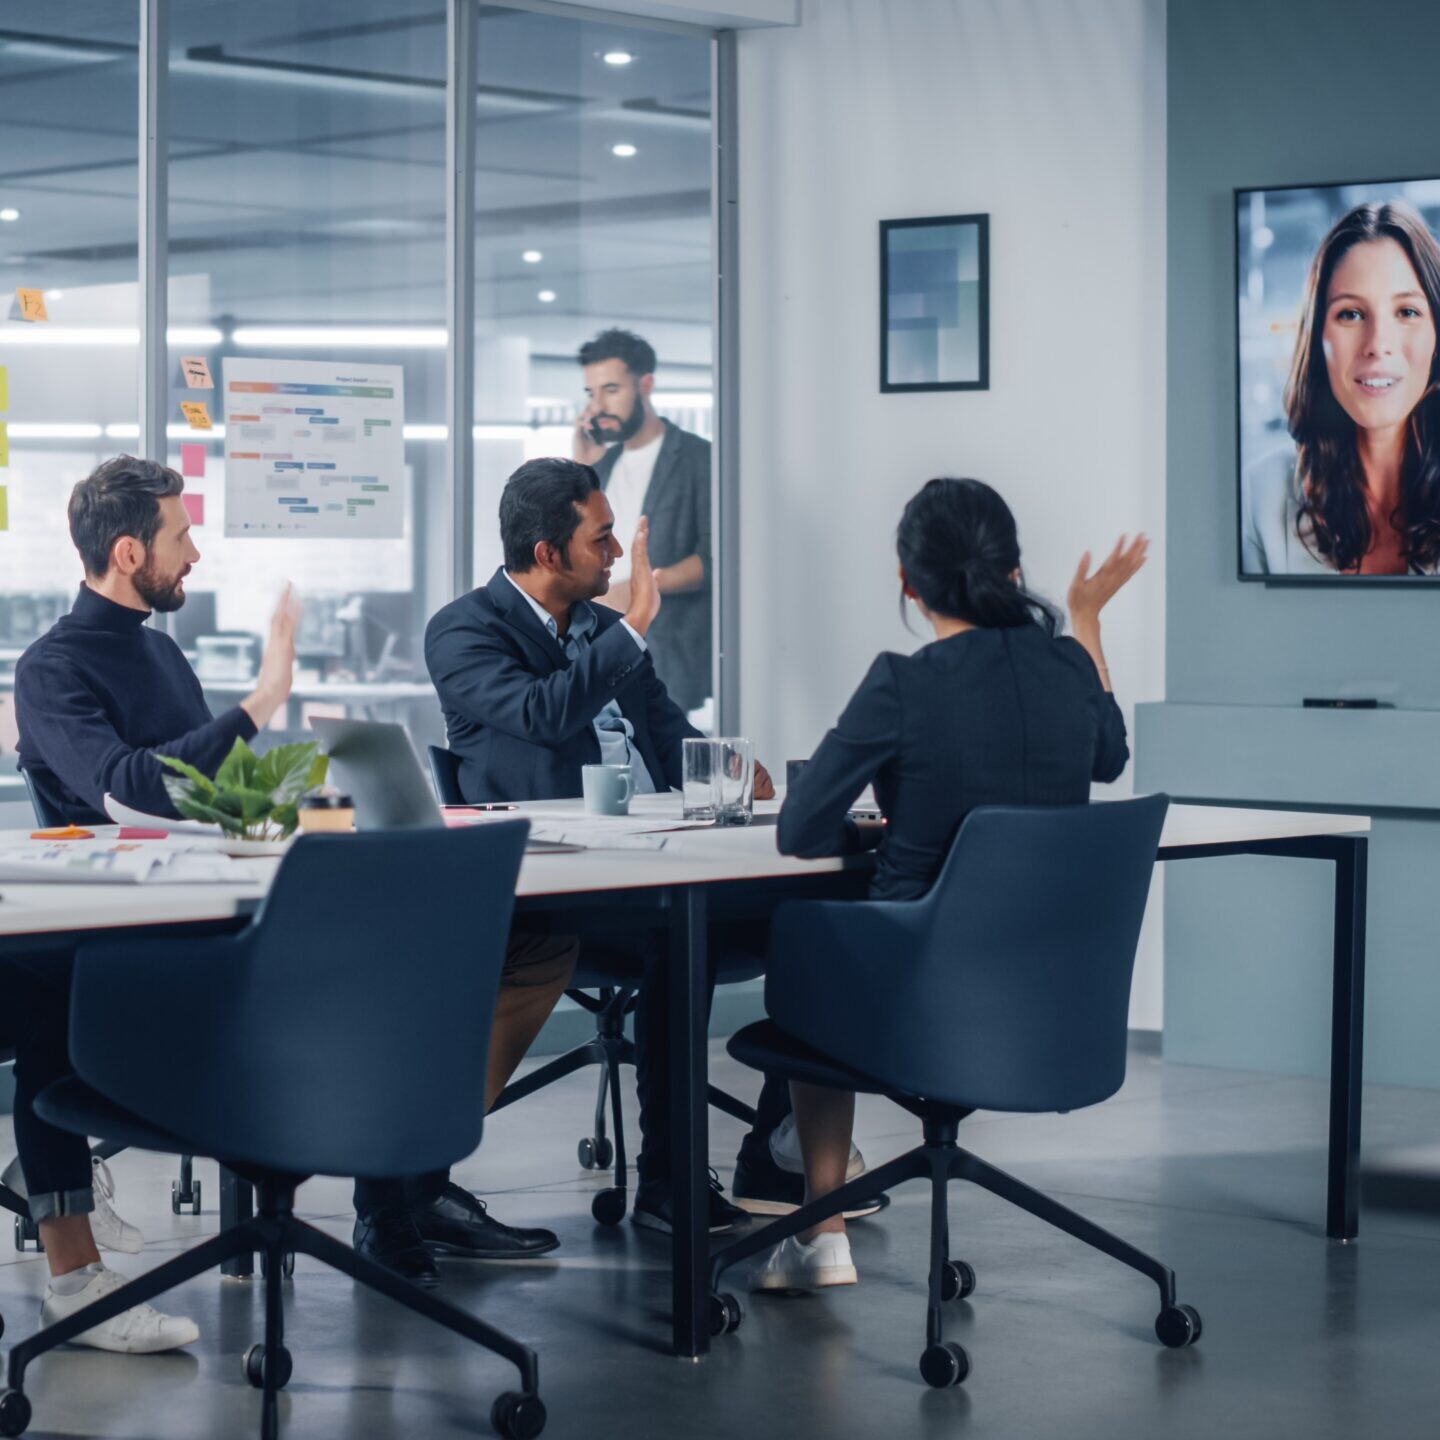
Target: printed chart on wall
point(314, 448)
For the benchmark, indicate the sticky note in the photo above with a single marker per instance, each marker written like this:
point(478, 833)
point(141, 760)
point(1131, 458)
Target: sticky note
point(196, 413)
point(4, 508)
point(194, 507)
point(196, 372)
point(4, 444)
point(4, 388)
point(192, 460)
point(32, 304)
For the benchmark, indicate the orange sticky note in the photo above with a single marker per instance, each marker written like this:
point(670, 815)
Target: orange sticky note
point(32, 304)
point(4, 508)
point(196, 372)
point(196, 413)
point(192, 461)
point(194, 507)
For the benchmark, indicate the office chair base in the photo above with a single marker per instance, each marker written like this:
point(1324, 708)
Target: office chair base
point(274, 1232)
point(939, 1160)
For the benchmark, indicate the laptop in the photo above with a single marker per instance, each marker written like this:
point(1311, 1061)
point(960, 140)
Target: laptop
point(374, 763)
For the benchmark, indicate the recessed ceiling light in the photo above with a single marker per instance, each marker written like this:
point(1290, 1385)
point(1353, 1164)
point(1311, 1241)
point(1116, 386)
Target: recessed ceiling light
point(8, 214)
point(532, 257)
point(623, 151)
point(54, 294)
point(618, 57)
point(545, 297)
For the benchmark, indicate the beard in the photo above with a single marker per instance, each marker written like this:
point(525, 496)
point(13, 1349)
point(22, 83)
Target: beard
point(161, 593)
point(629, 426)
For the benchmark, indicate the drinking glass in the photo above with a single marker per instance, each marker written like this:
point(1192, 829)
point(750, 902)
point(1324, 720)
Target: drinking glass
point(719, 781)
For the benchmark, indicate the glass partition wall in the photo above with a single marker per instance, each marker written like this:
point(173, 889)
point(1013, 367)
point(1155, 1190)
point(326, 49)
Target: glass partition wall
point(305, 212)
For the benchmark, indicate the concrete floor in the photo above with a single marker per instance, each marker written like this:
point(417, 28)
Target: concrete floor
point(1219, 1172)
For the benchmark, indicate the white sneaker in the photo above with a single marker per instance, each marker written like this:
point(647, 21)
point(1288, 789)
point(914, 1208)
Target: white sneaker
point(794, 1265)
point(140, 1331)
point(785, 1151)
point(109, 1230)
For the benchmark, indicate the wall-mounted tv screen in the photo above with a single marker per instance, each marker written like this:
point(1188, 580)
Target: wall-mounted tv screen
point(1338, 406)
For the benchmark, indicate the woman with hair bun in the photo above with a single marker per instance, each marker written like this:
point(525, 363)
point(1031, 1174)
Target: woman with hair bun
point(998, 710)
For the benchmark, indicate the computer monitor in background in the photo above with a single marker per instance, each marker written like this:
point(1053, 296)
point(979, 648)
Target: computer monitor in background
point(196, 617)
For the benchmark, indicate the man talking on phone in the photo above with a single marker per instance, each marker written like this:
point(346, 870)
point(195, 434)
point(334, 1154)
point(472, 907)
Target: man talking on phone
point(650, 466)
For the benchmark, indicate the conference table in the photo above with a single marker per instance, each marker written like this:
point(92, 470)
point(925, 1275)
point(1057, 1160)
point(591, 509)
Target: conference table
point(706, 873)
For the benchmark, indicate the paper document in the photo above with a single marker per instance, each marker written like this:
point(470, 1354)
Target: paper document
point(76, 862)
point(124, 815)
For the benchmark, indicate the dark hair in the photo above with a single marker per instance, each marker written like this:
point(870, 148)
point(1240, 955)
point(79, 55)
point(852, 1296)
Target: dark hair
point(624, 345)
point(537, 506)
point(1333, 522)
point(120, 497)
point(958, 546)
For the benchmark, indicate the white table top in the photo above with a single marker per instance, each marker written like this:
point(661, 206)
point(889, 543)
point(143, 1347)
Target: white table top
point(690, 857)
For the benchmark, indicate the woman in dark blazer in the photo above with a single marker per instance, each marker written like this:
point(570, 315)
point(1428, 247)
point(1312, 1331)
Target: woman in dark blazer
point(998, 710)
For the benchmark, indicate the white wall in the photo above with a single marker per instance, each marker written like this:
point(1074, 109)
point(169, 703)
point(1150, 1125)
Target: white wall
point(1050, 116)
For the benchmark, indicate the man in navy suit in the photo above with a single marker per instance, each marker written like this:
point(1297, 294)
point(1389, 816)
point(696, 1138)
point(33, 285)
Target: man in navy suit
point(537, 682)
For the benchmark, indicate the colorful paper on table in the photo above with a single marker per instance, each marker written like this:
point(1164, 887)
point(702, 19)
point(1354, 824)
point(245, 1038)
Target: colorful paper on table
point(192, 461)
point(4, 388)
point(194, 507)
point(32, 304)
point(196, 372)
point(196, 413)
point(4, 508)
point(4, 444)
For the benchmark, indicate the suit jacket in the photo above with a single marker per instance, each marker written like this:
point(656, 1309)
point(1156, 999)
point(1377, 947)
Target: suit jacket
point(677, 502)
point(521, 716)
point(986, 717)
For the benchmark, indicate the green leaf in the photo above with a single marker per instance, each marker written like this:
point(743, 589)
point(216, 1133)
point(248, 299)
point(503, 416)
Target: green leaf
point(284, 771)
point(237, 770)
point(319, 769)
point(195, 810)
point(287, 817)
point(203, 784)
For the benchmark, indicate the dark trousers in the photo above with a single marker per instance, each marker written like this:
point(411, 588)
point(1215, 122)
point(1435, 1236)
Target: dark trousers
point(36, 1005)
point(412, 1190)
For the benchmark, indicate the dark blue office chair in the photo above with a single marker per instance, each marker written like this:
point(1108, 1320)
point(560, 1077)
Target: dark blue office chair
point(9, 1200)
point(282, 1029)
point(614, 975)
point(1007, 987)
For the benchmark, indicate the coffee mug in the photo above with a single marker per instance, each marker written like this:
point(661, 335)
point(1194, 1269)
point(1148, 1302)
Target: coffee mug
point(608, 789)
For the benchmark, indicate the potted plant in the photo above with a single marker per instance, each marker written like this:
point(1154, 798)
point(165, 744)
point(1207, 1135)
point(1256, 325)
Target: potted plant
point(252, 797)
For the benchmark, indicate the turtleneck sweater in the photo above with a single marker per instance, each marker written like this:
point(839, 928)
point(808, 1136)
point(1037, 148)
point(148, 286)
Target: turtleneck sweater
point(99, 696)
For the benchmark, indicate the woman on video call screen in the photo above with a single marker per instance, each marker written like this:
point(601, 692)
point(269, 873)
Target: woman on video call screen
point(1355, 488)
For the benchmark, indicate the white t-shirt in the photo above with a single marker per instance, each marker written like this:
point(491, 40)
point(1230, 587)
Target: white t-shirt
point(629, 481)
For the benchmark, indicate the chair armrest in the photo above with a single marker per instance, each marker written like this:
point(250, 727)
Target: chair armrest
point(153, 1025)
point(843, 976)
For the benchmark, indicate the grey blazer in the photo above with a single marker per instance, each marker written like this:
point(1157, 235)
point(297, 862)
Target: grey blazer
point(678, 505)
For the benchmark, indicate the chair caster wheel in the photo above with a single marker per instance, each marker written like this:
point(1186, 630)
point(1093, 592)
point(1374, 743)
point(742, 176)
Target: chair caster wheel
point(2, 1326)
point(255, 1367)
point(957, 1280)
point(179, 1200)
point(944, 1365)
point(726, 1314)
point(596, 1154)
point(287, 1265)
point(609, 1206)
point(19, 1234)
point(14, 1412)
point(517, 1416)
point(1177, 1326)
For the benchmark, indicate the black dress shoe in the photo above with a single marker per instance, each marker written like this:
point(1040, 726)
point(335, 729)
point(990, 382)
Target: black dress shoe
point(654, 1208)
point(389, 1237)
point(459, 1224)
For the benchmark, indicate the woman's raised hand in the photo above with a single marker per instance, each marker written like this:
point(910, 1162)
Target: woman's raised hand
point(1090, 594)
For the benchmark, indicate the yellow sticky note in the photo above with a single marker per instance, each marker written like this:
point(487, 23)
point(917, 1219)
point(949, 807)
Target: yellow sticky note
point(4, 445)
point(196, 372)
point(196, 413)
point(4, 388)
point(32, 304)
point(4, 508)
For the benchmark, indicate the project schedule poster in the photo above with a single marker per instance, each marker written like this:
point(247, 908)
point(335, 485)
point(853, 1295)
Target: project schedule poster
point(314, 448)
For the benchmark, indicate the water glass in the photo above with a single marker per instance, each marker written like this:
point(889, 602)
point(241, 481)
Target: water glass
point(719, 781)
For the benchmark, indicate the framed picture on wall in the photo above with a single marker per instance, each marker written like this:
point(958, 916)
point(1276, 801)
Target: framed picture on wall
point(935, 303)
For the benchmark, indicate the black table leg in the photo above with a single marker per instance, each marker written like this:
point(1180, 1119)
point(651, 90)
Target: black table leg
point(237, 1204)
point(689, 1122)
point(1347, 1024)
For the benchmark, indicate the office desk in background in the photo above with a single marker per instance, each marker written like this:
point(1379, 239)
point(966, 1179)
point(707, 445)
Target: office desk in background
point(704, 869)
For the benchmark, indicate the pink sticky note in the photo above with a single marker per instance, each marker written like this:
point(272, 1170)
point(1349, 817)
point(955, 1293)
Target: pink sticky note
point(192, 460)
point(194, 508)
